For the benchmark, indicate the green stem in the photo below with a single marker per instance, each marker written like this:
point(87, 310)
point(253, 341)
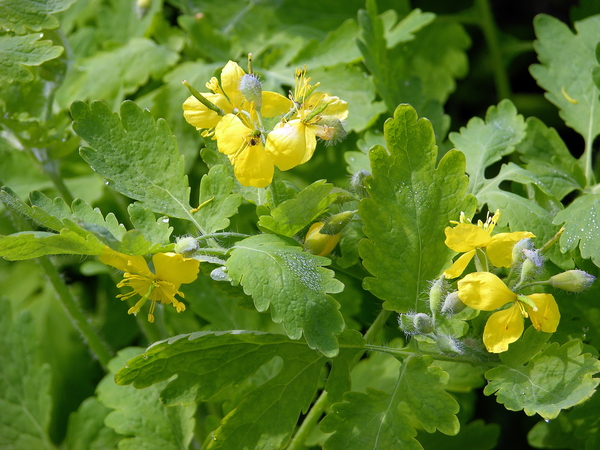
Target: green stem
point(96, 345)
point(274, 193)
point(311, 419)
point(490, 32)
point(377, 325)
point(202, 99)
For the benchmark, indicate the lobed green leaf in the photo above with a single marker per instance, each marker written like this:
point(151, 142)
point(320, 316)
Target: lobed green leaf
point(20, 15)
point(411, 203)
point(19, 52)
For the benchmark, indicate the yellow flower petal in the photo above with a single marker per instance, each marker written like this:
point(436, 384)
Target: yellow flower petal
point(274, 104)
point(174, 268)
point(254, 167)
point(231, 135)
point(484, 291)
point(547, 317)
point(320, 244)
point(459, 265)
point(290, 144)
point(198, 115)
point(502, 329)
point(500, 247)
point(125, 263)
point(465, 236)
point(231, 75)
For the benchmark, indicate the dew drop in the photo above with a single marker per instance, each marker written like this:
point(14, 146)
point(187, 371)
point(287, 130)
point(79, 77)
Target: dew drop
point(165, 219)
point(547, 420)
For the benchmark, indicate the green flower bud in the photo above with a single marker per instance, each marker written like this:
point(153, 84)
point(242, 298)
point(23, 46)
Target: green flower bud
point(336, 132)
point(517, 252)
point(448, 345)
point(572, 280)
point(336, 223)
point(438, 289)
point(251, 89)
point(358, 183)
point(413, 324)
point(452, 304)
point(186, 246)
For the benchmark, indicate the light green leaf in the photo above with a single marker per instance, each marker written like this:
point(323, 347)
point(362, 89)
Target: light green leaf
point(87, 430)
point(124, 69)
point(375, 420)
point(144, 220)
point(293, 215)
point(137, 155)
point(555, 379)
point(485, 143)
point(405, 30)
point(119, 21)
point(411, 203)
point(208, 362)
point(581, 220)
point(139, 414)
point(24, 385)
point(32, 244)
point(549, 159)
point(279, 275)
point(19, 15)
point(18, 52)
point(216, 202)
point(565, 72)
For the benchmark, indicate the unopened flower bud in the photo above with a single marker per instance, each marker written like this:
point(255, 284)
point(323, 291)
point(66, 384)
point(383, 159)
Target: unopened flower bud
point(336, 223)
point(517, 252)
point(335, 130)
point(572, 280)
point(251, 89)
point(142, 7)
point(186, 246)
point(448, 345)
point(358, 183)
point(452, 304)
point(437, 291)
point(534, 256)
point(320, 244)
point(529, 270)
point(415, 323)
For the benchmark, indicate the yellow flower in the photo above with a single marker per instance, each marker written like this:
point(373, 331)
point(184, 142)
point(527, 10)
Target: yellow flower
point(171, 270)
point(486, 292)
point(319, 114)
point(320, 244)
point(244, 148)
point(467, 238)
point(229, 99)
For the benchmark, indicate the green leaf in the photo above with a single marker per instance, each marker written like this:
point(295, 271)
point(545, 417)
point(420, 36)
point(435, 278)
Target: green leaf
point(581, 220)
point(374, 419)
point(406, 28)
point(32, 244)
point(24, 384)
point(208, 362)
point(19, 52)
point(411, 203)
point(124, 69)
point(549, 159)
point(293, 215)
point(485, 143)
point(567, 61)
point(19, 15)
point(137, 155)
point(216, 202)
point(139, 414)
point(143, 219)
point(555, 379)
point(279, 275)
point(87, 430)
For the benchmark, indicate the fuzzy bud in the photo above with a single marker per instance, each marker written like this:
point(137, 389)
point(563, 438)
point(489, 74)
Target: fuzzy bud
point(448, 345)
point(572, 280)
point(438, 289)
point(452, 304)
point(358, 183)
point(415, 323)
point(251, 89)
point(518, 255)
point(318, 243)
point(186, 246)
point(335, 130)
point(336, 223)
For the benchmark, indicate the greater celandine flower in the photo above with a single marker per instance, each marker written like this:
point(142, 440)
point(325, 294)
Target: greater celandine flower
point(228, 97)
point(486, 292)
point(171, 270)
point(467, 238)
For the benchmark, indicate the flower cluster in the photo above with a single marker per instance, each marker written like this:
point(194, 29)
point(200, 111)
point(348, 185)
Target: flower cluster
point(171, 270)
point(234, 111)
point(484, 290)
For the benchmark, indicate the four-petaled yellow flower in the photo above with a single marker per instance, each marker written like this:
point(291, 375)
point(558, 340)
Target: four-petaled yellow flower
point(486, 292)
point(229, 99)
point(171, 270)
point(467, 238)
point(319, 114)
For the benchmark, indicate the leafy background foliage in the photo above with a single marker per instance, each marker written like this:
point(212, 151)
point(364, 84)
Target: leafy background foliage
point(270, 352)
